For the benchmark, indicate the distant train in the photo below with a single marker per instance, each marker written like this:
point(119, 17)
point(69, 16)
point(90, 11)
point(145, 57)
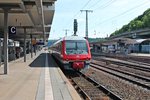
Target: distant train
point(72, 52)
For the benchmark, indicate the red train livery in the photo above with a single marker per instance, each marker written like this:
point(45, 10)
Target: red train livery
point(72, 52)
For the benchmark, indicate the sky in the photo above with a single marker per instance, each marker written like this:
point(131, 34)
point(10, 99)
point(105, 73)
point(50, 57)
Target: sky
point(107, 16)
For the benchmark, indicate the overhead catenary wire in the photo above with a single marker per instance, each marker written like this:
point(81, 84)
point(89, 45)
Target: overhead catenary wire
point(90, 7)
point(121, 14)
point(86, 4)
point(82, 8)
point(105, 5)
point(79, 13)
point(95, 4)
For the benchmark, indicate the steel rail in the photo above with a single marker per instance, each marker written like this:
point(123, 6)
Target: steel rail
point(102, 88)
point(122, 77)
point(81, 91)
point(127, 73)
point(128, 65)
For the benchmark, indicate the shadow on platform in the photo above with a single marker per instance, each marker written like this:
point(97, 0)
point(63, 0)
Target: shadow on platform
point(39, 61)
point(51, 61)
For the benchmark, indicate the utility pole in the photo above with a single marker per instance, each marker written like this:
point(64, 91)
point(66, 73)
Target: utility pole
point(66, 30)
point(86, 29)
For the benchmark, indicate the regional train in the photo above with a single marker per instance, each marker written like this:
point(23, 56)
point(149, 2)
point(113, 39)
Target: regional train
point(73, 52)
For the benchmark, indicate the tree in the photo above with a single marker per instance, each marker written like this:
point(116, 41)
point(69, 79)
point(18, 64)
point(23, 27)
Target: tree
point(140, 22)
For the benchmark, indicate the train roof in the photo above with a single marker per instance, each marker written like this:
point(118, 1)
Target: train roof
point(69, 38)
point(73, 38)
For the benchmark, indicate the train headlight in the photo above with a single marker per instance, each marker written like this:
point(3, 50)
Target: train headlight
point(61, 56)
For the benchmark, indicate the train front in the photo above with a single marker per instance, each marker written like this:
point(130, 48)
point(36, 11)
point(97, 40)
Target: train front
point(76, 54)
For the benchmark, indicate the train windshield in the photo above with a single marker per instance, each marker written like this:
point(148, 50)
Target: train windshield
point(76, 47)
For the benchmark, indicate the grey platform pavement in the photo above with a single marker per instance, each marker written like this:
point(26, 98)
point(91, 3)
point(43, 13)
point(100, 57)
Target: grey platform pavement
point(37, 79)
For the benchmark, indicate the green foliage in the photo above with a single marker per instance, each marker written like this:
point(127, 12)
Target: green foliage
point(142, 21)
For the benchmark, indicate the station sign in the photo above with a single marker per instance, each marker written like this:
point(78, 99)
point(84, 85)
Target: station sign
point(12, 30)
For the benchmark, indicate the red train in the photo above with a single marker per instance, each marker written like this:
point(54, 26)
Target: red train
point(72, 52)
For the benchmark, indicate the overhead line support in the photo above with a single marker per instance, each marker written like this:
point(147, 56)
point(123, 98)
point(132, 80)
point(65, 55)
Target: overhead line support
point(86, 29)
point(66, 30)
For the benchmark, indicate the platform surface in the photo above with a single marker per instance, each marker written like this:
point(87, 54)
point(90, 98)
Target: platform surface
point(37, 79)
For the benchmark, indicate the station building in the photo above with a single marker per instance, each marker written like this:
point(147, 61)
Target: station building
point(130, 42)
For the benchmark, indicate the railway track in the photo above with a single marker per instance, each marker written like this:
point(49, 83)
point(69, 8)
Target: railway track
point(122, 69)
point(138, 62)
point(143, 60)
point(90, 89)
point(133, 78)
point(138, 59)
point(126, 64)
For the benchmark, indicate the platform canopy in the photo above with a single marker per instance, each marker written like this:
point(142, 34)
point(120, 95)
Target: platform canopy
point(33, 15)
point(121, 40)
point(129, 41)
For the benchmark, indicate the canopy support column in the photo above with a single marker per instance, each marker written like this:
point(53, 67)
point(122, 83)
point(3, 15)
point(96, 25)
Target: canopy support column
point(0, 52)
point(6, 40)
point(24, 45)
point(31, 46)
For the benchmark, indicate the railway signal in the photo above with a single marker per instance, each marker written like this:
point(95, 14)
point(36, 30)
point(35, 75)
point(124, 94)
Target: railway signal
point(75, 27)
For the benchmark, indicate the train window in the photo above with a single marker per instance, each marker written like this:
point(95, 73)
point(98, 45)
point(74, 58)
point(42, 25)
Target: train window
point(76, 47)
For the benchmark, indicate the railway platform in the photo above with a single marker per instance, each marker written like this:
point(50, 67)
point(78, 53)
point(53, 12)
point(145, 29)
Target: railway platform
point(131, 54)
point(140, 54)
point(37, 79)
